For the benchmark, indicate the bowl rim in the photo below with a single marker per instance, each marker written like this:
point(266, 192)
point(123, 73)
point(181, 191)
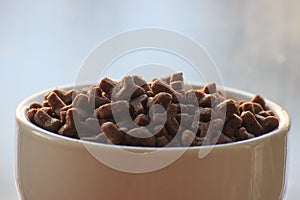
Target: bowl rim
point(20, 115)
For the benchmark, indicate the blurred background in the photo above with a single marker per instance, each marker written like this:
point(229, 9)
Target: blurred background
point(255, 44)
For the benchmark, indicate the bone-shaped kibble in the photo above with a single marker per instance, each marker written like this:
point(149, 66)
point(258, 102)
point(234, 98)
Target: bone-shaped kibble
point(140, 137)
point(243, 134)
point(107, 85)
point(96, 98)
point(72, 124)
point(232, 125)
point(210, 88)
point(258, 99)
point(137, 104)
point(114, 134)
point(128, 90)
point(159, 86)
point(106, 111)
point(227, 107)
point(251, 106)
point(251, 124)
point(42, 119)
point(55, 102)
point(141, 82)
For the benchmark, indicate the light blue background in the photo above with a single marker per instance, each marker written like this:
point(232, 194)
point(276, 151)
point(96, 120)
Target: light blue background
point(255, 43)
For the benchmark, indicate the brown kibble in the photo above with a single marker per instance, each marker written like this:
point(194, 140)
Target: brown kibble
point(162, 98)
point(206, 114)
point(233, 124)
point(185, 120)
point(258, 99)
point(268, 123)
point(176, 77)
point(159, 86)
point(224, 139)
point(106, 111)
point(172, 126)
point(187, 137)
point(162, 141)
point(142, 120)
point(100, 138)
point(129, 90)
point(42, 119)
point(55, 102)
point(266, 113)
point(156, 113)
point(30, 114)
point(140, 137)
point(72, 124)
point(95, 97)
point(243, 134)
point(141, 82)
point(107, 85)
point(35, 105)
point(177, 85)
point(113, 133)
point(92, 125)
point(227, 108)
point(250, 106)
point(210, 88)
point(207, 101)
point(251, 124)
point(193, 97)
point(137, 104)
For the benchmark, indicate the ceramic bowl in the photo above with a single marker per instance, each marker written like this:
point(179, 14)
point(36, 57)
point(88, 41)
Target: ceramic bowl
point(50, 166)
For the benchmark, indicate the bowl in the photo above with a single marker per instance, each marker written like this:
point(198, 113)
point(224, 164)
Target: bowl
point(50, 166)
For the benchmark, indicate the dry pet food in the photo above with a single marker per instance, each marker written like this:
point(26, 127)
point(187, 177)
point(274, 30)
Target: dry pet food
point(151, 114)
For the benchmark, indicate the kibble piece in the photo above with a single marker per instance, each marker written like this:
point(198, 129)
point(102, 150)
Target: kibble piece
point(95, 97)
point(30, 114)
point(100, 138)
point(140, 137)
point(224, 139)
point(162, 98)
point(172, 126)
point(268, 123)
point(142, 120)
point(42, 119)
point(107, 85)
point(159, 86)
point(137, 104)
point(72, 124)
point(118, 108)
point(128, 90)
point(210, 88)
point(233, 124)
point(35, 105)
point(113, 133)
point(187, 137)
point(251, 124)
point(55, 102)
point(206, 114)
point(176, 77)
point(141, 82)
point(227, 107)
point(162, 141)
point(258, 99)
point(185, 119)
point(194, 97)
point(250, 106)
point(243, 134)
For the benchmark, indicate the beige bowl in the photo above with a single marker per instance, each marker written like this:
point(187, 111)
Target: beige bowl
point(49, 166)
